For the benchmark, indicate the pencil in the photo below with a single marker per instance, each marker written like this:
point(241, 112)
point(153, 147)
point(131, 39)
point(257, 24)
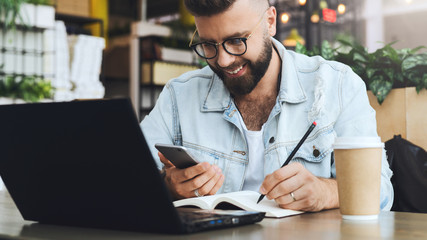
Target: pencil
point(293, 152)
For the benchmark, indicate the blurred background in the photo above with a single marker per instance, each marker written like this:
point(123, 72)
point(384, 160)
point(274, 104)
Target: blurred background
point(60, 50)
point(163, 27)
point(371, 22)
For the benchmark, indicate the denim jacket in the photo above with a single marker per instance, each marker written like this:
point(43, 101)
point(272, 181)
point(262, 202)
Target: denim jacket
point(197, 111)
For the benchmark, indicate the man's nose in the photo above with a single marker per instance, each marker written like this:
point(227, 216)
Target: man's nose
point(224, 59)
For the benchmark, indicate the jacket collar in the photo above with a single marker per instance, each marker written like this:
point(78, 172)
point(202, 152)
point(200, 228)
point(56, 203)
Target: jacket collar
point(291, 90)
point(218, 98)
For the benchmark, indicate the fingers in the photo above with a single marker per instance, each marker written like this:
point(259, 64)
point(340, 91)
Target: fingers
point(291, 199)
point(278, 176)
point(204, 182)
point(285, 187)
point(217, 185)
point(182, 175)
point(214, 183)
point(288, 202)
point(165, 161)
point(303, 201)
point(294, 187)
point(204, 177)
point(186, 174)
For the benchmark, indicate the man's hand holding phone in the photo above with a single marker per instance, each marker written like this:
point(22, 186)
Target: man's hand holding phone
point(197, 180)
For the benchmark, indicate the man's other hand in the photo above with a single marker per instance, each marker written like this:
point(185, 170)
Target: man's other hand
point(182, 183)
point(294, 187)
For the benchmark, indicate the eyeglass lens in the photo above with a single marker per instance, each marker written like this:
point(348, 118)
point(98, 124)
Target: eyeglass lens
point(234, 46)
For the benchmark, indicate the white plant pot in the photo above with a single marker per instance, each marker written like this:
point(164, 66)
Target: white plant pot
point(5, 101)
point(36, 16)
point(18, 101)
point(45, 16)
point(28, 15)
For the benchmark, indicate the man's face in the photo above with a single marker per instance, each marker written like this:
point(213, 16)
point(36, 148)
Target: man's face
point(240, 74)
point(243, 83)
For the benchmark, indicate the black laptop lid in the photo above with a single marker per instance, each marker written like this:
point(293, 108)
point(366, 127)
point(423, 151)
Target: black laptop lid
point(83, 163)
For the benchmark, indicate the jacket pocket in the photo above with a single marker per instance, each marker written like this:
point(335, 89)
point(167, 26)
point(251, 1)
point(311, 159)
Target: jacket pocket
point(314, 150)
point(232, 167)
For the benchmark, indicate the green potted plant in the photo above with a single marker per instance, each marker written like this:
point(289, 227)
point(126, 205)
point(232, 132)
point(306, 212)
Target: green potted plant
point(26, 13)
point(10, 13)
point(397, 76)
point(40, 2)
point(27, 88)
point(382, 70)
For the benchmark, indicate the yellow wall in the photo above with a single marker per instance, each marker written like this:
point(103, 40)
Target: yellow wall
point(99, 9)
point(185, 17)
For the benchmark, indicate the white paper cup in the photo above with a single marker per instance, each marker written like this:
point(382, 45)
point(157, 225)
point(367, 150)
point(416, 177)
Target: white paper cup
point(358, 167)
point(360, 217)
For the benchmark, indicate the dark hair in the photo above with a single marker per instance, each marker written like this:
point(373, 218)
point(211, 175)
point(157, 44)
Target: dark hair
point(207, 7)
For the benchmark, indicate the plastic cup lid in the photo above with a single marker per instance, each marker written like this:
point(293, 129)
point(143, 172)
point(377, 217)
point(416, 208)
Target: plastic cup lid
point(357, 142)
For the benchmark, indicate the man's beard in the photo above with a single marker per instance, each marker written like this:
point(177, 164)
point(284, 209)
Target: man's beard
point(245, 84)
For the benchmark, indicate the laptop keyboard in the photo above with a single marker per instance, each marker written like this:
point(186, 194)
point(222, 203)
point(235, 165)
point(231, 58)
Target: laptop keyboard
point(195, 219)
point(196, 214)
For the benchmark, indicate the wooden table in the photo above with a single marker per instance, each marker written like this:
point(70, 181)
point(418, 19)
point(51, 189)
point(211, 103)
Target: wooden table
point(322, 225)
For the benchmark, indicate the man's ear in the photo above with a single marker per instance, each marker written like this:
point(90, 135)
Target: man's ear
point(271, 20)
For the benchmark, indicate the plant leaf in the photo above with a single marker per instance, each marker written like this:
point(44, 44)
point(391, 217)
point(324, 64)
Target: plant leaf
point(370, 72)
point(390, 53)
point(380, 88)
point(327, 51)
point(424, 83)
point(398, 76)
point(413, 51)
point(299, 48)
point(358, 57)
point(413, 61)
point(389, 72)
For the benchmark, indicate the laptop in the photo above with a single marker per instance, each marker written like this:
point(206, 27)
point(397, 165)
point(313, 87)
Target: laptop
point(87, 164)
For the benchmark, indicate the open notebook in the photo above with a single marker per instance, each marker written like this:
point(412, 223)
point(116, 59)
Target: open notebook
point(245, 200)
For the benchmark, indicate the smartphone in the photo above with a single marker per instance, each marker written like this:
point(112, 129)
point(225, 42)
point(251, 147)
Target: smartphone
point(178, 155)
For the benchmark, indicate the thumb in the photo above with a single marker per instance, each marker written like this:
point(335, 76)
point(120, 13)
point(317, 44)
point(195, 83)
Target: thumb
point(165, 161)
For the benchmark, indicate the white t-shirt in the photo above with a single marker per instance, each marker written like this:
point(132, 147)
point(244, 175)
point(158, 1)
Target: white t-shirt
point(254, 175)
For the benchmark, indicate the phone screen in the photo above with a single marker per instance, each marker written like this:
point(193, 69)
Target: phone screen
point(177, 155)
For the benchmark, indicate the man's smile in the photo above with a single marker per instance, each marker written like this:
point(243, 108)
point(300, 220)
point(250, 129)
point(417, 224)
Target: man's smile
point(236, 72)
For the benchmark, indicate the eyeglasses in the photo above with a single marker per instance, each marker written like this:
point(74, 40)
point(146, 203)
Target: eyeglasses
point(233, 46)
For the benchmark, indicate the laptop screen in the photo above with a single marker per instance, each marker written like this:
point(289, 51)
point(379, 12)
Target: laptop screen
point(86, 163)
point(83, 163)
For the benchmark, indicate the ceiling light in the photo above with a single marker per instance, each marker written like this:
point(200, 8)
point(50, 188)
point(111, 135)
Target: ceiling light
point(315, 18)
point(341, 8)
point(285, 17)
